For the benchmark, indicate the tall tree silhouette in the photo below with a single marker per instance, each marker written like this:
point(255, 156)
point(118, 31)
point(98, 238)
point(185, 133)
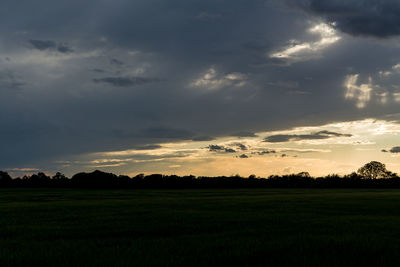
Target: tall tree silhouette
point(373, 170)
point(5, 178)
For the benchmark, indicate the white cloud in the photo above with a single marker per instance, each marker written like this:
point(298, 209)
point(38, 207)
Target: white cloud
point(385, 73)
point(211, 80)
point(361, 93)
point(396, 67)
point(108, 165)
point(396, 97)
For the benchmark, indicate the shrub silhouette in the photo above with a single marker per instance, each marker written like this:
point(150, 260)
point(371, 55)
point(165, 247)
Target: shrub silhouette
point(5, 178)
point(94, 179)
point(366, 177)
point(59, 176)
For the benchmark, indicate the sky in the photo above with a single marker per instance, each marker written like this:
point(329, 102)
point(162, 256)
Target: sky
point(219, 87)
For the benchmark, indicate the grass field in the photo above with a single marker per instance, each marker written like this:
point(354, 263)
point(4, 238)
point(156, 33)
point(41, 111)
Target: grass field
point(285, 227)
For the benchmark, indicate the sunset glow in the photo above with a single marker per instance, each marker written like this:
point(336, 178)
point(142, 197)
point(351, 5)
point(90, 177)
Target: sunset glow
point(266, 87)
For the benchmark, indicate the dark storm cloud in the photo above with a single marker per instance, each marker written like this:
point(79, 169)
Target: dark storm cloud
point(62, 48)
point(203, 138)
point(395, 149)
point(117, 62)
point(359, 17)
point(333, 134)
point(217, 148)
point(265, 152)
point(240, 146)
point(125, 81)
point(298, 137)
point(9, 80)
point(50, 45)
point(68, 107)
point(43, 45)
point(98, 70)
point(147, 147)
point(165, 133)
point(244, 134)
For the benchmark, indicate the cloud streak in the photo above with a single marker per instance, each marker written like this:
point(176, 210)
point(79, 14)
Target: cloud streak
point(395, 150)
point(125, 81)
point(280, 138)
point(44, 45)
point(223, 149)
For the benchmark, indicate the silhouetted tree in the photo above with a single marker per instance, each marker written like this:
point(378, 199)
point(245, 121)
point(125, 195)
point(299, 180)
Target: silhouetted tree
point(390, 174)
point(95, 179)
point(252, 176)
point(59, 176)
point(366, 177)
point(304, 174)
point(352, 176)
point(5, 178)
point(40, 179)
point(140, 176)
point(373, 170)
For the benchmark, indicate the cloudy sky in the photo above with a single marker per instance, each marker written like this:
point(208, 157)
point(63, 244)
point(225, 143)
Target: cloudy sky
point(199, 87)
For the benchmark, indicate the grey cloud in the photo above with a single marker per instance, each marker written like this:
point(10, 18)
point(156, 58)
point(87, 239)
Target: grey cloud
point(359, 17)
point(303, 151)
point(117, 62)
point(285, 84)
point(395, 149)
point(265, 152)
point(244, 134)
point(203, 138)
point(209, 16)
point(297, 92)
point(329, 133)
point(62, 48)
point(98, 70)
point(63, 112)
point(43, 45)
point(125, 81)
point(8, 80)
point(165, 133)
point(147, 147)
point(240, 146)
point(258, 47)
point(50, 45)
point(217, 148)
point(298, 137)
point(137, 157)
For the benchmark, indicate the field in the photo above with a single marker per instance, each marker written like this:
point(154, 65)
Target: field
point(246, 227)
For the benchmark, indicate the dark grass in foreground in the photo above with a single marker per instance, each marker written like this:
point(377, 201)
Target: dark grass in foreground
point(285, 227)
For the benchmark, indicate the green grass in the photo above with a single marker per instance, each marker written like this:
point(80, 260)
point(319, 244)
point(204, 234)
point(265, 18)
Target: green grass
point(284, 227)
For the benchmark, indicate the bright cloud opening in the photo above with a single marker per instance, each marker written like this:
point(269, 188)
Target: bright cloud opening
point(361, 93)
point(300, 51)
point(212, 80)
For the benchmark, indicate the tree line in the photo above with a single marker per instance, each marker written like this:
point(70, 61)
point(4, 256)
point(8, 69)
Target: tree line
point(372, 175)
